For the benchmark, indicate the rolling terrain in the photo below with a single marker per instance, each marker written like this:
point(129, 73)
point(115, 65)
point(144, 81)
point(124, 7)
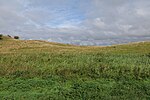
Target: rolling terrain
point(40, 70)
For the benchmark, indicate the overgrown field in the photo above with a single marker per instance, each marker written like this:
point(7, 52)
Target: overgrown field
point(38, 70)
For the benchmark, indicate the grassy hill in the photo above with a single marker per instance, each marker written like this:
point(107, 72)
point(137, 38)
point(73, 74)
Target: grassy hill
point(32, 69)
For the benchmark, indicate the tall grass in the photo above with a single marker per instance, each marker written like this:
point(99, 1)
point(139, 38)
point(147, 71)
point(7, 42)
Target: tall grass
point(41, 70)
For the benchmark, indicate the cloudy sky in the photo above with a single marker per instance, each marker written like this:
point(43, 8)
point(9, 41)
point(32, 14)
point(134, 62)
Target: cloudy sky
point(82, 22)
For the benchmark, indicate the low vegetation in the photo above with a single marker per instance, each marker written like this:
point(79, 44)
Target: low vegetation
point(1, 36)
point(42, 70)
point(16, 37)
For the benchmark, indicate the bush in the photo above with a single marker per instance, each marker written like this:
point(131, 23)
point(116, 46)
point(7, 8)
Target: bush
point(16, 37)
point(1, 35)
point(9, 36)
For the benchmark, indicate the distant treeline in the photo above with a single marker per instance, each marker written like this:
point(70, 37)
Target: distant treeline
point(14, 37)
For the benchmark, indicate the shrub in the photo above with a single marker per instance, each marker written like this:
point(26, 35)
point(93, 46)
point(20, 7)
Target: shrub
point(1, 35)
point(9, 36)
point(16, 37)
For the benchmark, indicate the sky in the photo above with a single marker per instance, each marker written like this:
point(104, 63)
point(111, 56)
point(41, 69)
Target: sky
point(80, 22)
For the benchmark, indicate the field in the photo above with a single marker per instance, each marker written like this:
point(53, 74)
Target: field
point(39, 70)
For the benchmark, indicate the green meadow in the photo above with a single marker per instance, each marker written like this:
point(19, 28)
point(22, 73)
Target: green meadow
point(39, 70)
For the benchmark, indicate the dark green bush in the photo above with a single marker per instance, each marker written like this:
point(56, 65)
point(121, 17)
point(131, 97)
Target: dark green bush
point(1, 35)
point(16, 37)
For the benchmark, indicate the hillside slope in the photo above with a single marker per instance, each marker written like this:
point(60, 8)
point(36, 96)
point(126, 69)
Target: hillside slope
point(32, 69)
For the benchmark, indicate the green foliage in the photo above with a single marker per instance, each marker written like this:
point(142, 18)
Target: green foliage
point(65, 72)
point(1, 36)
